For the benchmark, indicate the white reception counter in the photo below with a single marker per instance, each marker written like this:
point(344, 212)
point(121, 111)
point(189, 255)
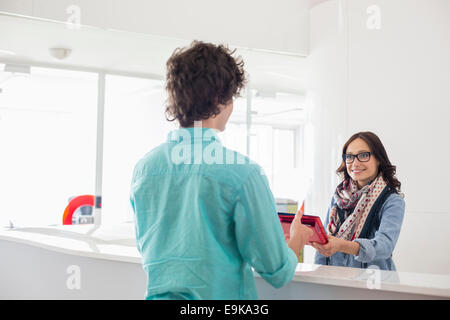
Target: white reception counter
point(78, 262)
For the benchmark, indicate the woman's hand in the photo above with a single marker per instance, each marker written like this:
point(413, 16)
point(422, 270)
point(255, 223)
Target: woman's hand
point(334, 245)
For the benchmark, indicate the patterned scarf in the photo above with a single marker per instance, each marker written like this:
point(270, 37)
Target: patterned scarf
point(347, 197)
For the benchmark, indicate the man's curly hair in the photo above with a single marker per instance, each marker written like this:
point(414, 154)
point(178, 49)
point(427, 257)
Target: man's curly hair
point(199, 79)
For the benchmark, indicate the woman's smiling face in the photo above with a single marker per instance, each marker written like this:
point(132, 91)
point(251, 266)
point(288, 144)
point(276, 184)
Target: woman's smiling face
point(361, 171)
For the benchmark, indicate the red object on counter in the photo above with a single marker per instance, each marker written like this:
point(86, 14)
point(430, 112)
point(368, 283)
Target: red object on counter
point(74, 204)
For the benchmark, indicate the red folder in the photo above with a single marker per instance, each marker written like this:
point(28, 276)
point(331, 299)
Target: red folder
point(313, 222)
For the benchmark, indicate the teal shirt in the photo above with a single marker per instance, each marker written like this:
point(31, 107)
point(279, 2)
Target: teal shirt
point(204, 215)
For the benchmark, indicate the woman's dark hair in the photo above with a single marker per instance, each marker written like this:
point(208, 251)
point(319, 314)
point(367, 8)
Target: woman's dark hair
point(199, 78)
point(379, 152)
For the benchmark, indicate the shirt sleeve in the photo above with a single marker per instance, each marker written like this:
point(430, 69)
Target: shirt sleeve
point(318, 258)
point(259, 234)
point(133, 207)
point(383, 243)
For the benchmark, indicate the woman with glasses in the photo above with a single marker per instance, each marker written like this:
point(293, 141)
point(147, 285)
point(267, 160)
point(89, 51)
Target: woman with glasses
point(366, 212)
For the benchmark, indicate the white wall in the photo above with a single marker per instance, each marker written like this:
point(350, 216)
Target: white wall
point(326, 106)
point(326, 98)
point(393, 81)
point(262, 24)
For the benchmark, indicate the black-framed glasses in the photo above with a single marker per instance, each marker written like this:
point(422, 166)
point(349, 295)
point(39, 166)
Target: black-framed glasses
point(362, 157)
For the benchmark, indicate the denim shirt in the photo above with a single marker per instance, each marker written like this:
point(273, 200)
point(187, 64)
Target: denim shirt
point(376, 249)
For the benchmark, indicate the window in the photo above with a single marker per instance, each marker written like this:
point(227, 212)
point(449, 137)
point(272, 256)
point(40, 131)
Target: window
point(48, 136)
point(275, 140)
point(47, 142)
point(134, 124)
point(234, 136)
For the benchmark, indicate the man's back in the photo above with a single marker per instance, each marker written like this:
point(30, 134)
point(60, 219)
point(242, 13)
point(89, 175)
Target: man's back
point(203, 215)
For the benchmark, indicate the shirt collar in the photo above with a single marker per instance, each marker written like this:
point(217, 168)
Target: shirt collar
point(191, 135)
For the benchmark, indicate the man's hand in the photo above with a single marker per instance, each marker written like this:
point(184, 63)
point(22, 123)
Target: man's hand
point(299, 234)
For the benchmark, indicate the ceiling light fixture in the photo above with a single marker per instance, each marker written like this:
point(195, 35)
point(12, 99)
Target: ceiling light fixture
point(60, 53)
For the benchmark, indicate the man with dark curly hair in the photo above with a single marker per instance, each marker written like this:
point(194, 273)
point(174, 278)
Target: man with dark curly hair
point(205, 215)
point(201, 82)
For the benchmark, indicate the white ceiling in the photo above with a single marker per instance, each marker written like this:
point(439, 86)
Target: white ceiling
point(25, 39)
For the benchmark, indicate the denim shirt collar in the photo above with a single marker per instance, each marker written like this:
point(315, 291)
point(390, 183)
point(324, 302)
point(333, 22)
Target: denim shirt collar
point(193, 135)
